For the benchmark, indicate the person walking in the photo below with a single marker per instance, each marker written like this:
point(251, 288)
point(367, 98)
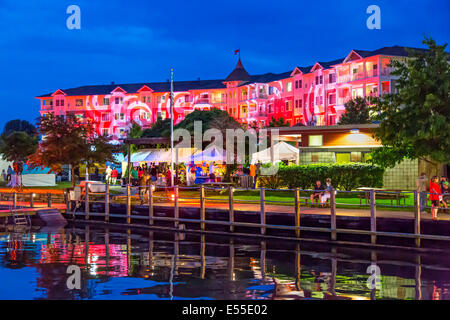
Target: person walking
point(108, 172)
point(421, 184)
point(435, 196)
point(114, 175)
point(10, 172)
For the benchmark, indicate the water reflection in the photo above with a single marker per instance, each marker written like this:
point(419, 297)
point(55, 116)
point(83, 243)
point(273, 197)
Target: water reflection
point(119, 264)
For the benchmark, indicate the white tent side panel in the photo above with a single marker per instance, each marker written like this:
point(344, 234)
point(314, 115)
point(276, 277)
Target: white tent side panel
point(39, 180)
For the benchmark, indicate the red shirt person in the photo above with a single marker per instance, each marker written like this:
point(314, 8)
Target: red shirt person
point(435, 196)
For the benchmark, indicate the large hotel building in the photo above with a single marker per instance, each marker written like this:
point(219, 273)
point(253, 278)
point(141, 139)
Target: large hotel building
point(311, 95)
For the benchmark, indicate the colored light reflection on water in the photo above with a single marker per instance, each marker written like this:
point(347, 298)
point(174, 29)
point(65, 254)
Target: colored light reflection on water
point(161, 265)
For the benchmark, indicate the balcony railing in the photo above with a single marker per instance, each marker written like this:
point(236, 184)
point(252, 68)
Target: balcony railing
point(47, 107)
point(219, 100)
point(202, 100)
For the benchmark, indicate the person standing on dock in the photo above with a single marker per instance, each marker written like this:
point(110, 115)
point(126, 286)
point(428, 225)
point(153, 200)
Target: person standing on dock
point(435, 196)
point(421, 184)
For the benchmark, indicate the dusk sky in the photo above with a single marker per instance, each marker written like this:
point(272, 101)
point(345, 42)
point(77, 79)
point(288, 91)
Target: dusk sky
point(139, 41)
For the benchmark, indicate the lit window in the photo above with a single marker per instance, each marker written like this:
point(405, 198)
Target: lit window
point(289, 87)
point(315, 140)
point(79, 102)
point(105, 131)
point(106, 101)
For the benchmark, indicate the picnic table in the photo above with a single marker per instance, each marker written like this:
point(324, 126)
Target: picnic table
point(382, 194)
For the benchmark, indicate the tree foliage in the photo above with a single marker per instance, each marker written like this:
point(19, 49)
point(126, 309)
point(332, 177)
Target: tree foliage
point(19, 125)
point(18, 140)
point(357, 111)
point(415, 119)
point(281, 122)
point(69, 140)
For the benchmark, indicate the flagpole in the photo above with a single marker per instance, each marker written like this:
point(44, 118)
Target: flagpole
point(171, 128)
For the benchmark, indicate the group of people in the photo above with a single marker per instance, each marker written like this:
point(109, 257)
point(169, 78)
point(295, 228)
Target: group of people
point(322, 192)
point(152, 170)
point(438, 191)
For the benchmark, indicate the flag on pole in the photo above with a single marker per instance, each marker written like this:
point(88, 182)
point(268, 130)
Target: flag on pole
point(237, 51)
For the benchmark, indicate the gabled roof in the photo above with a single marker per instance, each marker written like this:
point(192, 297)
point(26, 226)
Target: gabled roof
point(119, 89)
point(238, 74)
point(59, 91)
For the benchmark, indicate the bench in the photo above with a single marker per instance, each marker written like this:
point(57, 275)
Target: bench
point(384, 196)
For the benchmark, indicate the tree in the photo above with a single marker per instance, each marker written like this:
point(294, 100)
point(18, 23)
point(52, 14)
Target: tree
point(357, 111)
point(68, 140)
point(415, 120)
point(161, 128)
point(19, 125)
point(18, 140)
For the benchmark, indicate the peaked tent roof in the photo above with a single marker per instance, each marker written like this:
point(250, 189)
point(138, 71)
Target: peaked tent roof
point(239, 73)
point(281, 151)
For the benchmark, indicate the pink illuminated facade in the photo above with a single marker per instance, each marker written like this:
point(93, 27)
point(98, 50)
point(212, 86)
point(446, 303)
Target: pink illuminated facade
point(313, 95)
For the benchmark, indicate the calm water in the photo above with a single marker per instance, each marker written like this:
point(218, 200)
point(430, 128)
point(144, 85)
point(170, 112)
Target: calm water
point(118, 264)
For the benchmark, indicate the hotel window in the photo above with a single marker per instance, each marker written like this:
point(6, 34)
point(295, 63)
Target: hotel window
point(106, 101)
point(314, 157)
point(321, 100)
point(270, 90)
point(270, 108)
point(296, 84)
point(158, 99)
point(79, 102)
point(57, 103)
point(105, 117)
point(289, 87)
point(315, 140)
point(317, 80)
point(119, 116)
point(105, 131)
point(299, 83)
point(116, 100)
point(332, 77)
point(332, 99)
point(321, 79)
point(143, 99)
point(149, 99)
point(288, 105)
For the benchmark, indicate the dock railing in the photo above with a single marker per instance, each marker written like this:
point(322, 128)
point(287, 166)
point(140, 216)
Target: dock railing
point(197, 196)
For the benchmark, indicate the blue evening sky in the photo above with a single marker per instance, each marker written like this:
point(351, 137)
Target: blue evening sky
point(139, 41)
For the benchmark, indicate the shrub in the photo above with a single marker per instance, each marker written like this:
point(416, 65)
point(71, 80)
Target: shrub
point(346, 176)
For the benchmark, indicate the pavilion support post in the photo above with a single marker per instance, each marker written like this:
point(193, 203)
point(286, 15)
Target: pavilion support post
point(86, 191)
point(262, 196)
point(333, 215)
point(297, 212)
point(107, 203)
point(231, 208)
point(202, 206)
point(373, 217)
point(417, 217)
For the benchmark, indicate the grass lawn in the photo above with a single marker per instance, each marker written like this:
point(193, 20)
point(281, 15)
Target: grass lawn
point(343, 200)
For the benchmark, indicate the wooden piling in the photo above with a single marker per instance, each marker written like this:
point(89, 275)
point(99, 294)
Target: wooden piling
point(297, 211)
point(333, 214)
point(202, 206)
point(262, 196)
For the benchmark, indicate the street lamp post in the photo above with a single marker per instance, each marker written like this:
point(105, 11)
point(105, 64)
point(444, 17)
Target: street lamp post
point(171, 129)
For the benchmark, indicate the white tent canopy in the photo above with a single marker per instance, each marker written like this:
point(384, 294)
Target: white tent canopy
point(212, 153)
point(161, 155)
point(281, 151)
